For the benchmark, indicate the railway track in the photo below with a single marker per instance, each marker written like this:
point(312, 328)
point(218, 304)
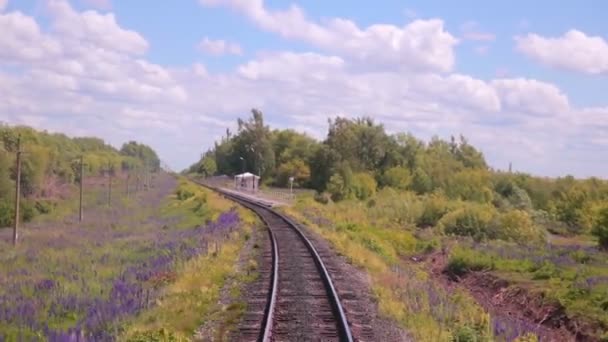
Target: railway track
point(294, 298)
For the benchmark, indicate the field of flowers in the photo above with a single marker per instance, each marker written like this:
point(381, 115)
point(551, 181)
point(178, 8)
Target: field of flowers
point(381, 241)
point(92, 281)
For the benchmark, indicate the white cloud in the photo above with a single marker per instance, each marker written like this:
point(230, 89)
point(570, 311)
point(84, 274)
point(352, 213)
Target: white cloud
point(471, 30)
point(22, 40)
point(574, 51)
point(420, 45)
point(291, 66)
point(219, 47)
point(81, 85)
point(531, 96)
point(3, 4)
point(100, 30)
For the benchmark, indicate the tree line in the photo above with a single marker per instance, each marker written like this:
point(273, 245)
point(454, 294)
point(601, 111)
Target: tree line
point(52, 160)
point(358, 158)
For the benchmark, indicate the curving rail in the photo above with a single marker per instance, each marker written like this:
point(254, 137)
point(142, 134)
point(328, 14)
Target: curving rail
point(283, 297)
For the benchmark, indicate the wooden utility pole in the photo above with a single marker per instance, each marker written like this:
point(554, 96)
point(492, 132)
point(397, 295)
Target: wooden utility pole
point(17, 193)
point(81, 184)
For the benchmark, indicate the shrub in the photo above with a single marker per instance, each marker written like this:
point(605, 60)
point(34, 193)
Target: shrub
point(397, 178)
point(472, 220)
point(467, 333)
point(421, 182)
point(322, 197)
point(44, 207)
point(337, 188)
point(435, 207)
point(364, 186)
point(544, 271)
point(517, 225)
point(600, 229)
point(28, 211)
point(463, 261)
point(183, 194)
point(6, 214)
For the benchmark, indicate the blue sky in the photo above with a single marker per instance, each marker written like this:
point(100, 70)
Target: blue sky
point(524, 81)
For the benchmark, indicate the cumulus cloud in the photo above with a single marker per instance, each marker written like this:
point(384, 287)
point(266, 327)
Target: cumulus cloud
point(531, 96)
point(420, 45)
point(82, 84)
point(219, 47)
point(573, 51)
point(100, 30)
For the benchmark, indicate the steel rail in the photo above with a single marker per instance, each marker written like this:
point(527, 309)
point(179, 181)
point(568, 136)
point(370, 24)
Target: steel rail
point(265, 335)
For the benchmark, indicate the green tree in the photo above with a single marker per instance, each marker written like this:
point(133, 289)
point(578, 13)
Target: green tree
point(363, 186)
point(207, 166)
point(397, 177)
point(296, 168)
point(254, 143)
point(600, 228)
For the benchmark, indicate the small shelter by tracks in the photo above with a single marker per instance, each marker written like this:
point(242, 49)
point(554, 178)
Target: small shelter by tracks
point(247, 182)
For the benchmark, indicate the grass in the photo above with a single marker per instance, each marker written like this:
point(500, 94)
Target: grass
point(571, 271)
point(96, 279)
point(191, 300)
point(380, 246)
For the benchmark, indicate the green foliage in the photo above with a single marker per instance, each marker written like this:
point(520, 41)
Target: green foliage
point(296, 168)
point(517, 225)
point(142, 152)
point(546, 270)
point(467, 333)
point(463, 261)
point(397, 177)
point(160, 335)
point(434, 207)
point(337, 187)
point(52, 160)
point(474, 220)
point(600, 229)
point(421, 182)
point(363, 186)
point(470, 185)
point(7, 213)
point(207, 166)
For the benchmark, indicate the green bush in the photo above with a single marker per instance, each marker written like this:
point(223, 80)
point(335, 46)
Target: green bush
point(517, 225)
point(467, 333)
point(463, 261)
point(435, 207)
point(600, 229)
point(337, 188)
point(44, 206)
point(183, 194)
point(28, 211)
point(397, 178)
point(546, 270)
point(474, 220)
point(161, 335)
point(364, 186)
point(6, 214)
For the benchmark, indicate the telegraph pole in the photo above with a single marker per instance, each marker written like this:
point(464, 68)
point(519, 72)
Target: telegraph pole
point(81, 183)
point(17, 193)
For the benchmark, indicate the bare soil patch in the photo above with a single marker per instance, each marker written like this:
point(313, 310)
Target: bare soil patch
point(509, 302)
